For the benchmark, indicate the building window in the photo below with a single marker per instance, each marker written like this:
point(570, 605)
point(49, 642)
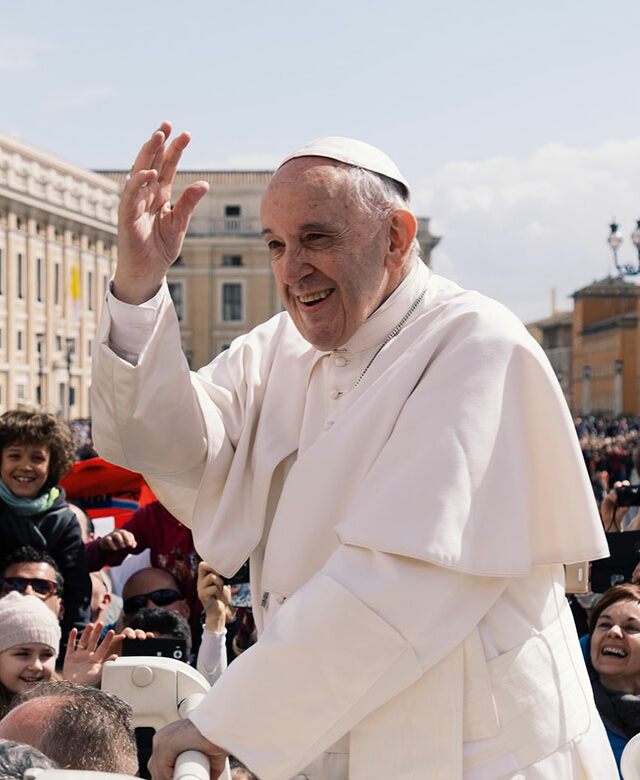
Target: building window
point(89, 347)
point(105, 282)
point(39, 279)
point(20, 276)
point(58, 342)
point(232, 221)
point(90, 290)
point(21, 391)
point(232, 260)
point(56, 284)
point(20, 340)
point(231, 302)
point(176, 293)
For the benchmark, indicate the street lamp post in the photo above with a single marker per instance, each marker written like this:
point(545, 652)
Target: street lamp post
point(615, 239)
point(40, 342)
point(71, 349)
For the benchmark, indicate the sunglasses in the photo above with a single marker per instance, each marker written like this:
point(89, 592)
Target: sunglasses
point(161, 598)
point(42, 587)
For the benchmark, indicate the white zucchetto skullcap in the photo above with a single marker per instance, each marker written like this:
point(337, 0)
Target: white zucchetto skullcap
point(351, 152)
point(25, 619)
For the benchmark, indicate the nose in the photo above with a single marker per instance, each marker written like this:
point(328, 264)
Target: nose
point(293, 266)
point(615, 630)
point(36, 664)
point(28, 590)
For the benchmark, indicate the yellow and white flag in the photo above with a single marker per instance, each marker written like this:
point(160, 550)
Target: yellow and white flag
point(74, 290)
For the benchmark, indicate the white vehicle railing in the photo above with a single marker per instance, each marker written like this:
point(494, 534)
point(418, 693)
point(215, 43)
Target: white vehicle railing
point(159, 690)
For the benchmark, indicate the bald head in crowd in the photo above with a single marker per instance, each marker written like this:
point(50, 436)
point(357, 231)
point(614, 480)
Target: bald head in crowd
point(77, 726)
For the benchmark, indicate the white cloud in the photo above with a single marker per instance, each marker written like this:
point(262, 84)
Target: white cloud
point(21, 52)
point(80, 97)
point(517, 228)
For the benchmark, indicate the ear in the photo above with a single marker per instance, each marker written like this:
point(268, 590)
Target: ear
point(402, 230)
point(185, 609)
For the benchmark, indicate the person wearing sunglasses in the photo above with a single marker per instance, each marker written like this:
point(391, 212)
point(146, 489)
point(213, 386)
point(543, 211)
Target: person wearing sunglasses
point(152, 587)
point(33, 572)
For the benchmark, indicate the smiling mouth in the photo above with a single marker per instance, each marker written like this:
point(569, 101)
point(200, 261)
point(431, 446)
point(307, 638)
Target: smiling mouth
point(617, 651)
point(311, 298)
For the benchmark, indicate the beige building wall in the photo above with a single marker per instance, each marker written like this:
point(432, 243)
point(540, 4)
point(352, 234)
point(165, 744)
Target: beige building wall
point(54, 217)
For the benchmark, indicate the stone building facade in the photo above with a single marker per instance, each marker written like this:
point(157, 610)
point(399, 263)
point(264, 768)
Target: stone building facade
point(57, 252)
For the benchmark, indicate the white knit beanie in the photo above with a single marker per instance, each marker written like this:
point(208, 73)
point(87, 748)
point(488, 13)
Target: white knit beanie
point(25, 619)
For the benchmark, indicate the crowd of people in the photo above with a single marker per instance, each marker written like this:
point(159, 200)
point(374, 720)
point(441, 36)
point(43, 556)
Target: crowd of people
point(66, 609)
point(63, 613)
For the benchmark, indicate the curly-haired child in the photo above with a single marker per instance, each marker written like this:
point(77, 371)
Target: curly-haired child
point(36, 451)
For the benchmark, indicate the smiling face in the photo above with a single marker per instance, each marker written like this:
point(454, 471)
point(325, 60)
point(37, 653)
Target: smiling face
point(24, 468)
point(615, 647)
point(22, 666)
point(333, 262)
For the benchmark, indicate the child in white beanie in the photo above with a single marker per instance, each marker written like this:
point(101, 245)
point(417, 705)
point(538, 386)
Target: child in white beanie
point(29, 642)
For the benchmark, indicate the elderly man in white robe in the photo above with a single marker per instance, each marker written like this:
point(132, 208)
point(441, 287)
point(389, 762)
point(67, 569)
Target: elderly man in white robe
point(394, 455)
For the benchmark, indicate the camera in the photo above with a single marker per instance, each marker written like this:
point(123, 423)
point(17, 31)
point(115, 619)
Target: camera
point(628, 495)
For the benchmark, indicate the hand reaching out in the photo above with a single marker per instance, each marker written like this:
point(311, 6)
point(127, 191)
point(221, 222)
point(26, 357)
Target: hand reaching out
point(120, 539)
point(83, 662)
point(150, 229)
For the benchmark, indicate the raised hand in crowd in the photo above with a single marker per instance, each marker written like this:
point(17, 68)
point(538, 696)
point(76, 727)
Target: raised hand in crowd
point(129, 633)
point(117, 540)
point(151, 229)
point(611, 513)
point(83, 660)
point(214, 596)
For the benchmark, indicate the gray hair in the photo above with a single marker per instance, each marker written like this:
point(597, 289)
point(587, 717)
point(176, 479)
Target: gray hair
point(379, 196)
point(90, 729)
point(16, 758)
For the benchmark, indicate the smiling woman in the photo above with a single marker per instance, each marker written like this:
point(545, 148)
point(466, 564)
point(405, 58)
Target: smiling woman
point(612, 652)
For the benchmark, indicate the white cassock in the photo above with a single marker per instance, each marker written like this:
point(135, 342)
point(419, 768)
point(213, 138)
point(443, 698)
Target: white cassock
point(406, 526)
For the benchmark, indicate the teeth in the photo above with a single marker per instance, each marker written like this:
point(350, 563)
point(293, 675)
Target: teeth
point(317, 296)
point(614, 651)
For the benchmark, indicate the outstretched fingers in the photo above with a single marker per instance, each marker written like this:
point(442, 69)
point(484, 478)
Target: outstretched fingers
point(187, 202)
point(151, 148)
point(171, 158)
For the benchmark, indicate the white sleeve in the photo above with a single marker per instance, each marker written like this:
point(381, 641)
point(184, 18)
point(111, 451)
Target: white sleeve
point(212, 655)
point(355, 635)
point(132, 326)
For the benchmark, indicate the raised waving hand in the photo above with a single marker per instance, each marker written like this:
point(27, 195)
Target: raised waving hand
point(150, 230)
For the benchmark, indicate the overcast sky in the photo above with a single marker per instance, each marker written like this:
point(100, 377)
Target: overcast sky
point(517, 124)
